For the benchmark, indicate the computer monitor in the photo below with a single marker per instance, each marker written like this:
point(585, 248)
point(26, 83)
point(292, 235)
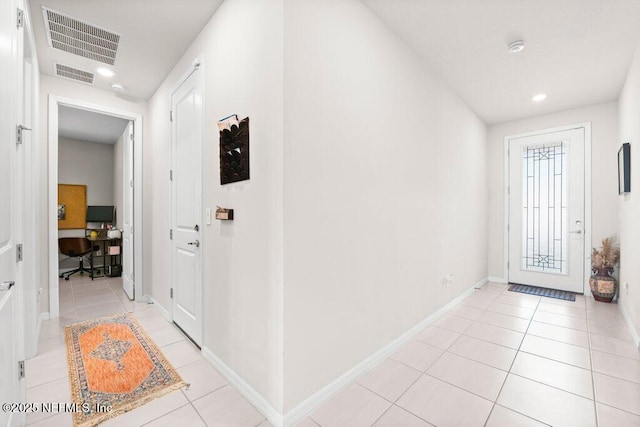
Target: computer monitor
point(100, 214)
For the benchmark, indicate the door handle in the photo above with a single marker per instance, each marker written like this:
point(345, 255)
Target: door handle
point(196, 243)
point(5, 286)
point(576, 232)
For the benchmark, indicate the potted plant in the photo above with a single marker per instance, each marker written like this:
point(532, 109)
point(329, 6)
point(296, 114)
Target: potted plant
point(603, 286)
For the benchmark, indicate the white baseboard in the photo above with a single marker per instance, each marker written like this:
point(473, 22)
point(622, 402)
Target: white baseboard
point(310, 404)
point(165, 313)
point(497, 279)
point(632, 329)
point(42, 318)
point(249, 393)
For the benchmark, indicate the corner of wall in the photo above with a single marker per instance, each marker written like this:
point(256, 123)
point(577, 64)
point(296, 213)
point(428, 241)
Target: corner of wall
point(629, 204)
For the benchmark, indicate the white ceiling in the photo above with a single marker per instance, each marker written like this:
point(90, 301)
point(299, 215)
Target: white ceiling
point(154, 35)
point(88, 126)
point(578, 52)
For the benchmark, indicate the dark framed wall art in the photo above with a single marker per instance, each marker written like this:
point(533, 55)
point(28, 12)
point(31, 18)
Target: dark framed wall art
point(624, 168)
point(234, 149)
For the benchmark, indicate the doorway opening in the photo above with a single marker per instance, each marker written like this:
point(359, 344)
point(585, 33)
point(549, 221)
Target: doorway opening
point(548, 208)
point(110, 176)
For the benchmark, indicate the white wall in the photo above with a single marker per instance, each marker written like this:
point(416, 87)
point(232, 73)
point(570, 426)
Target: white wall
point(90, 164)
point(604, 146)
point(242, 51)
point(50, 85)
point(385, 191)
point(629, 205)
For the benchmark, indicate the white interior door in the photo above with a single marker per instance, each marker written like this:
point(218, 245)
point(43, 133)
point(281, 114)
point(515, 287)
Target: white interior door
point(30, 263)
point(186, 201)
point(547, 210)
point(11, 176)
point(127, 214)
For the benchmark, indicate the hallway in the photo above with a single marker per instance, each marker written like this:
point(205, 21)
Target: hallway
point(508, 359)
point(493, 358)
point(209, 399)
point(380, 193)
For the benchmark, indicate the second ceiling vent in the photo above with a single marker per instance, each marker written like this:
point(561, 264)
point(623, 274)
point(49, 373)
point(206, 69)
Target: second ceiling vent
point(73, 73)
point(80, 38)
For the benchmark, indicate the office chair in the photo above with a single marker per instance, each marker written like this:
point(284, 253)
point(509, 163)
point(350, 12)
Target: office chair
point(76, 247)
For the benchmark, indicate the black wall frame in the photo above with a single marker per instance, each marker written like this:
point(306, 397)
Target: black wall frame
point(234, 153)
point(624, 169)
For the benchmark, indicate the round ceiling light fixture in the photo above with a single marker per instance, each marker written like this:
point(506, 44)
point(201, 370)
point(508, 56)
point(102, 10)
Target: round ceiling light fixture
point(516, 46)
point(539, 97)
point(105, 72)
point(117, 86)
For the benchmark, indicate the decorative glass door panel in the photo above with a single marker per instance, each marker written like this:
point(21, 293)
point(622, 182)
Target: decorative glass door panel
point(544, 210)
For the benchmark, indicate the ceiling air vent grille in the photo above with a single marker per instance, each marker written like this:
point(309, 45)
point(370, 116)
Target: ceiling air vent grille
point(73, 73)
point(80, 38)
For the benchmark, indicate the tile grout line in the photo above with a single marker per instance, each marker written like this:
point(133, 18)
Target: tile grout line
point(615, 355)
point(593, 380)
point(551, 386)
point(511, 367)
point(433, 363)
point(163, 415)
point(193, 406)
point(616, 378)
point(619, 409)
point(377, 419)
point(420, 376)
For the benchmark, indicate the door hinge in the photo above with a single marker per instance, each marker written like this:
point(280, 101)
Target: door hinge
point(171, 234)
point(131, 230)
point(21, 369)
point(171, 293)
point(131, 183)
point(170, 115)
point(131, 137)
point(170, 175)
point(19, 252)
point(20, 18)
point(133, 277)
point(19, 130)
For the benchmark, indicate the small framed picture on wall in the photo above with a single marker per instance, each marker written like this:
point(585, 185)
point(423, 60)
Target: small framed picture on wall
point(624, 168)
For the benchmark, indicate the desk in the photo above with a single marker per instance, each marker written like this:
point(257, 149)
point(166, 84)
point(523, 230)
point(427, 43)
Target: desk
point(103, 244)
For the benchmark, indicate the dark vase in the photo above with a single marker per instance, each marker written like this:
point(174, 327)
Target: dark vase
point(603, 286)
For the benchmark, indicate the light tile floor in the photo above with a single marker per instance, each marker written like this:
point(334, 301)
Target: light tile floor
point(209, 400)
point(498, 358)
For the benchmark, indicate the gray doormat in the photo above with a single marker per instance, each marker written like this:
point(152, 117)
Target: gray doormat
point(543, 292)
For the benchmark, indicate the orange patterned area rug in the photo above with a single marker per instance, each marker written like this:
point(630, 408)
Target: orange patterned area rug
point(114, 367)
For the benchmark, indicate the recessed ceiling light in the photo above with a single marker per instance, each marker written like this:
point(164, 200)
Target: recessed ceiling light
point(516, 46)
point(105, 72)
point(539, 97)
point(117, 86)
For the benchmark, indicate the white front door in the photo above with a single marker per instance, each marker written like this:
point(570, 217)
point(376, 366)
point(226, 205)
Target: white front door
point(11, 212)
point(127, 214)
point(186, 206)
point(547, 210)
